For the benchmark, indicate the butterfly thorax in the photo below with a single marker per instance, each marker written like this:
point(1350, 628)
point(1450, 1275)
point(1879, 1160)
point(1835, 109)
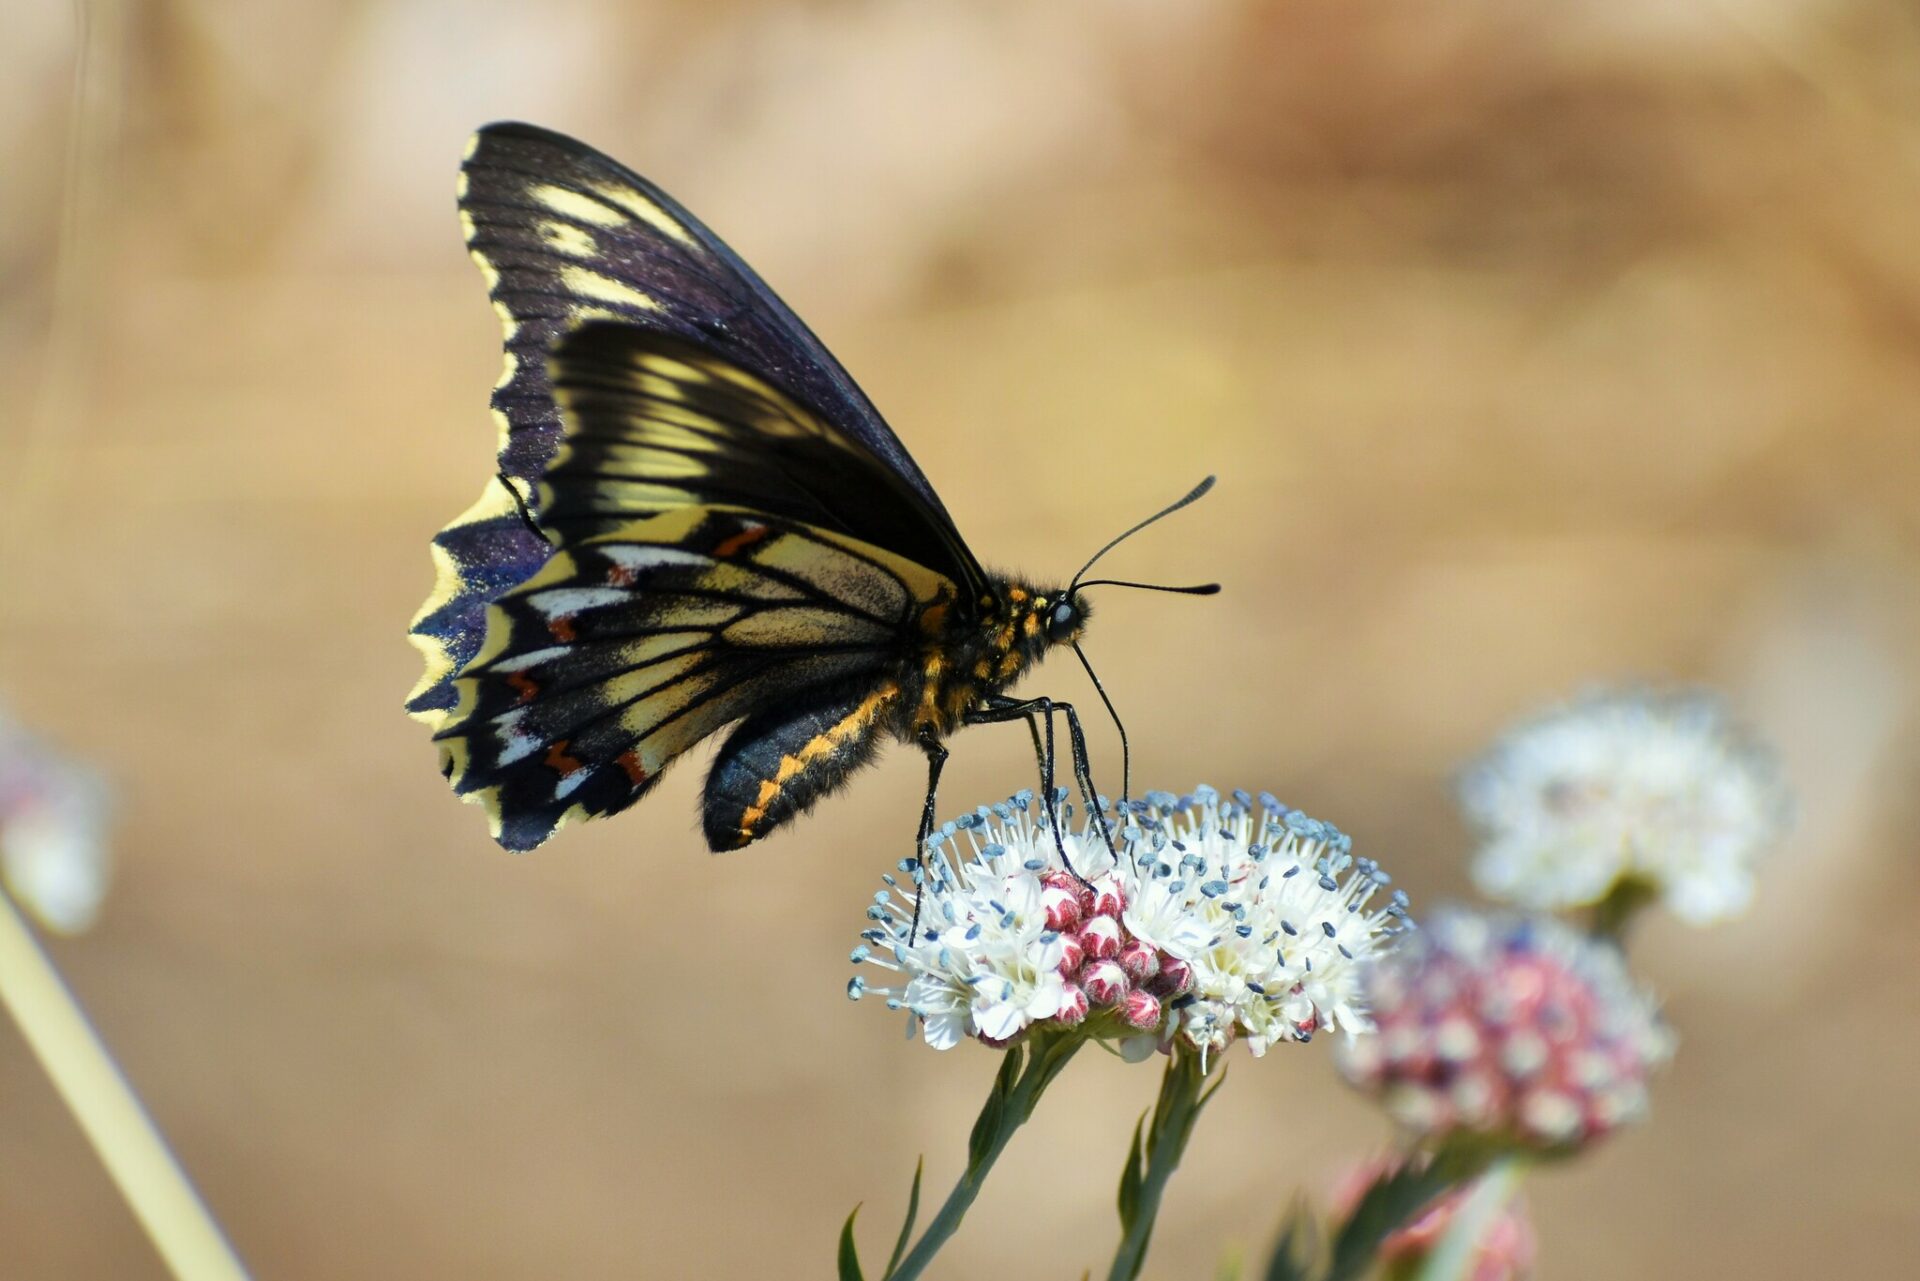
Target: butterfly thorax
point(967, 657)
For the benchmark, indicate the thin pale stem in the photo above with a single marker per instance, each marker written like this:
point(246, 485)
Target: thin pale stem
point(135, 1155)
point(1453, 1258)
point(1005, 1112)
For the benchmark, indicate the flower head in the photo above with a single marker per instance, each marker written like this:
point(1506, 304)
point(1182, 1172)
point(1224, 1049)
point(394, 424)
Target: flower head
point(1520, 1028)
point(1209, 920)
point(1625, 788)
point(54, 815)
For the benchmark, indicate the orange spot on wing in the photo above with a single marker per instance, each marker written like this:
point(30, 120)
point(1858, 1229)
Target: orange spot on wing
point(620, 576)
point(635, 770)
point(524, 684)
point(741, 541)
point(558, 760)
point(562, 628)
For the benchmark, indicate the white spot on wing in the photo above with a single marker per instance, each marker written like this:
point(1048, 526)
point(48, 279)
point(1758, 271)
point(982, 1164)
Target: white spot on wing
point(533, 658)
point(637, 557)
point(562, 601)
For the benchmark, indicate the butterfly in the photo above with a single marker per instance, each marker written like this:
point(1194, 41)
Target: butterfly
point(699, 521)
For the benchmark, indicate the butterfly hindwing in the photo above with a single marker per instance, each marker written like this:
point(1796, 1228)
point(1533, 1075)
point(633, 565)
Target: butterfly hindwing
point(628, 648)
point(778, 762)
point(564, 235)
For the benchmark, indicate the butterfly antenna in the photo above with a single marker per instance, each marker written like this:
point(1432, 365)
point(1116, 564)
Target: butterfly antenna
point(1194, 495)
point(1126, 753)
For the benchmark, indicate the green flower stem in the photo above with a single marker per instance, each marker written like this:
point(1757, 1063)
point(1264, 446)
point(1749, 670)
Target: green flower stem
point(1453, 1258)
point(1155, 1156)
point(1016, 1092)
point(1613, 914)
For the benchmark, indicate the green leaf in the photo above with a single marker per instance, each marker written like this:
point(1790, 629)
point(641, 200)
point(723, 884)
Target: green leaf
point(1293, 1253)
point(849, 1257)
point(1132, 1174)
point(906, 1228)
point(987, 1126)
point(1394, 1200)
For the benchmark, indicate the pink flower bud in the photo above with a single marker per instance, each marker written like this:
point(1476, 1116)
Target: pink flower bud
point(1101, 938)
point(1062, 906)
point(1105, 982)
point(1175, 977)
point(1138, 960)
point(1140, 1010)
point(1071, 956)
point(1073, 1009)
point(1108, 898)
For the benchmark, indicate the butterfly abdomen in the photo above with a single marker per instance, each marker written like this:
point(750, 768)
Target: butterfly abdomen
point(776, 764)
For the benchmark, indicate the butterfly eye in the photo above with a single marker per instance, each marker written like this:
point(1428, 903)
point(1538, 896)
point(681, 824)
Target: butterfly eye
point(1062, 622)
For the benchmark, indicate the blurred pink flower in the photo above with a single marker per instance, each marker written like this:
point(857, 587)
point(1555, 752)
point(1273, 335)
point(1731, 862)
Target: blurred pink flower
point(1506, 1249)
point(1516, 1027)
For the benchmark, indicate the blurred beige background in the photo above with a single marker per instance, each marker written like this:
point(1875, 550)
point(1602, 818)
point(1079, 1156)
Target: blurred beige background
point(1534, 344)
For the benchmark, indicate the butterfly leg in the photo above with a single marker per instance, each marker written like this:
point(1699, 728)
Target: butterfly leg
point(1034, 711)
point(936, 761)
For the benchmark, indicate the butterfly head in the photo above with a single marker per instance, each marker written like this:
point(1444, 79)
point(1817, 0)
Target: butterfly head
point(1063, 616)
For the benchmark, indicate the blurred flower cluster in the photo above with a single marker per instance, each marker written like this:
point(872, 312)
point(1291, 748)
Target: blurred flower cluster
point(1639, 787)
point(54, 819)
point(1199, 920)
point(1506, 1035)
point(1514, 1026)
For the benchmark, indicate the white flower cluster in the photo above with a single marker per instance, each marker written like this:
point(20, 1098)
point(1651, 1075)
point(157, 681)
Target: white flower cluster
point(1211, 919)
point(1625, 787)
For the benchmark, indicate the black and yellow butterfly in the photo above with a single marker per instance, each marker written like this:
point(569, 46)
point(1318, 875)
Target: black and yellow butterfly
point(699, 521)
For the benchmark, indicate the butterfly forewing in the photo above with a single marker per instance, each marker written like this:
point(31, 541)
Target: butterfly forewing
point(654, 423)
point(565, 235)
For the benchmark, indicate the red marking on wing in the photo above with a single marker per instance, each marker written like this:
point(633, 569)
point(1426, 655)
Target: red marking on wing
point(620, 576)
point(561, 627)
point(631, 764)
point(525, 684)
point(559, 761)
point(740, 541)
